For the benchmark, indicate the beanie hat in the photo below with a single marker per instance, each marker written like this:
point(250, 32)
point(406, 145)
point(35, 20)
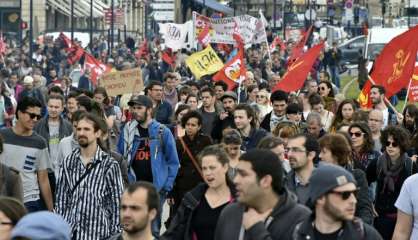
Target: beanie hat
point(325, 178)
point(42, 225)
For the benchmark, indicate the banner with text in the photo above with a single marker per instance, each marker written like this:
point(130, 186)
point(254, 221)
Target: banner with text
point(122, 82)
point(204, 62)
point(250, 28)
point(413, 88)
point(174, 35)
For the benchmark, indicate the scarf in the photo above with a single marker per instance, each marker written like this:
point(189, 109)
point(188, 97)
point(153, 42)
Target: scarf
point(360, 160)
point(391, 171)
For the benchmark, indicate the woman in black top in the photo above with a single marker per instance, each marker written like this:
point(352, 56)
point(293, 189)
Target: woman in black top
point(188, 176)
point(390, 171)
point(199, 211)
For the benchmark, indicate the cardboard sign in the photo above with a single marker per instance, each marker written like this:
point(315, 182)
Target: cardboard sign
point(204, 62)
point(122, 82)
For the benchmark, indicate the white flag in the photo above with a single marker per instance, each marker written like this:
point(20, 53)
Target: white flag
point(174, 35)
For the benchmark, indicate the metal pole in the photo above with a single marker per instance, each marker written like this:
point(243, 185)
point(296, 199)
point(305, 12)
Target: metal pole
point(146, 20)
point(112, 23)
point(284, 20)
point(274, 14)
point(204, 6)
point(234, 5)
point(72, 20)
point(91, 24)
point(20, 24)
point(408, 12)
point(30, 31)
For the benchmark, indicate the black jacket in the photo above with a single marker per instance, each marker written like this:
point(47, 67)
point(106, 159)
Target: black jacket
point(180, 226)
point(284, 217)
point(355, 229)
point(253, 139)
point(42, 128)
point(364, 209)
point(219, 125)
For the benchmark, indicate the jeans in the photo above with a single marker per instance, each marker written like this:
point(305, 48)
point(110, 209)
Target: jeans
point(156, 223)
point(335, 75)
point(34, 206)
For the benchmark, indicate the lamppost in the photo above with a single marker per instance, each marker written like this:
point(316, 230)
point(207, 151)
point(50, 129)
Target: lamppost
point(72, 20)
point(30, 31)
point(91, 24)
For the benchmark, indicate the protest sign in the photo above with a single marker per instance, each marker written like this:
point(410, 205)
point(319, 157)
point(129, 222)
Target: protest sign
point(174, 35)
point(250, 28)
point(122, 82)
point(204, 62)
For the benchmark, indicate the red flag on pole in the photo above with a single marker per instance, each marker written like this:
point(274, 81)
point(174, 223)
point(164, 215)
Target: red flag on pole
point(233, 71)
point(74, 51)
point(395, 65)
point(298, 48)
point(413, 88)
point(169, 57)
point(204, 36)
point(364, 97)
point(2, 45)
point(277, 42)
point(96, 67)
point(142, 50)
point(297, 73)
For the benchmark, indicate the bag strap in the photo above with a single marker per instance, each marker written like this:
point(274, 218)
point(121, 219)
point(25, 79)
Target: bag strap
point(191, 156)
point(90, 168)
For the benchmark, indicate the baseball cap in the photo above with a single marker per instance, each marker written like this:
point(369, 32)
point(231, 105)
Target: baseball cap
point(42, 225)
point(140, 100)
point(229, 94)
point(27, 80)
point(325, 178)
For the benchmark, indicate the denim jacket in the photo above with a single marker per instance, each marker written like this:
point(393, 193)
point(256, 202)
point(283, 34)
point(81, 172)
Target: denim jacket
point(164, 159)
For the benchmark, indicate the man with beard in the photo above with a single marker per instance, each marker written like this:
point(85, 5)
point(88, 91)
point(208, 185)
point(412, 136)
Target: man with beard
point(377, 95)
point(90, 185)
point(162, 109)
point(150, 151)
point(332, 197)
point(302, 150)
point(140, 205)
point(265, 209)
point(226, 118)
point(410, 114)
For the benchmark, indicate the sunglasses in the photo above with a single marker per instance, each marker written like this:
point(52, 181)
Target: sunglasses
point(357, 134)
point(260, 96)
point(346, 194)
point(322, 88)
point(394, 144)
point(33, 115)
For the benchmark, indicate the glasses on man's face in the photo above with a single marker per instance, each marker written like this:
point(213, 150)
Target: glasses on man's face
point(260, 96)
point(6, 223)
point(33, 115)
point(346, 194)
point(389, 143)
point(356, 134)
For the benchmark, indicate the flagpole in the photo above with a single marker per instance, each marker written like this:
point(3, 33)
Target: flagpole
point(407, 95)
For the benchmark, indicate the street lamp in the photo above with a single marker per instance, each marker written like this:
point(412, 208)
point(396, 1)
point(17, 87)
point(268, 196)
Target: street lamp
point(30, 30)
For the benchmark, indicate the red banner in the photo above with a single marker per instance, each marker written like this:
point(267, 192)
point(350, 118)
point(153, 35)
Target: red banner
point(297, 50)
point(364, 97)
point(96, 67)
point(394, 67)
point(413, 89)
point(298, 72)
point(74, 51)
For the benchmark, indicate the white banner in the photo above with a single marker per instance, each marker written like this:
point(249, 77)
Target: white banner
point(250, 28)
point(174, 35)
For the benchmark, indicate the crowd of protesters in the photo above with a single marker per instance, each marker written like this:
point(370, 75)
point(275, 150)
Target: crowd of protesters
point(76, 163)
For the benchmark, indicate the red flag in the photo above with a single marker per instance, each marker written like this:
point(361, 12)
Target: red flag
point(142, 50)
point(2, 45)
point(74, 51)
point(298, 48)
point(364, 97)
point(296, 74)
point(277, 42)
point(169, 57)
point(96, 67)
point(413, 88)
point(204, 36)
point(234, 71)
point(394, 67)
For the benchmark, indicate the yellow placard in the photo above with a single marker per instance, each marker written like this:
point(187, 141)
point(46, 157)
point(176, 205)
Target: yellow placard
point(204, 62)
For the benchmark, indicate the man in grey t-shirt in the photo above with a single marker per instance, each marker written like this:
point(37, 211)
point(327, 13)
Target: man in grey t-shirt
point(27, 152)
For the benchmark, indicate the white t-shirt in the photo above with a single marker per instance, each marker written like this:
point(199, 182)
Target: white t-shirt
point(407, 202)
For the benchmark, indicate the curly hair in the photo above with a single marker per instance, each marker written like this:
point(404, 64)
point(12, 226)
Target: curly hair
point(339, 147)
point(368, 138)
point(400, 136)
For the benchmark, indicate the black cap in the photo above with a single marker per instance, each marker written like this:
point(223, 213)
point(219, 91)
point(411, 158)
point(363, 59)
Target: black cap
point(229, 94)
point(140, 100)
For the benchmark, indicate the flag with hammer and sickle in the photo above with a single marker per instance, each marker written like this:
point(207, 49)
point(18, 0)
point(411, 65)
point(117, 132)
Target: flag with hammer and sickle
point(394, 67)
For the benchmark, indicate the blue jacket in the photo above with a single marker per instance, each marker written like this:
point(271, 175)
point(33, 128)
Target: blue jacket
point(164, 159)
point(163, 112)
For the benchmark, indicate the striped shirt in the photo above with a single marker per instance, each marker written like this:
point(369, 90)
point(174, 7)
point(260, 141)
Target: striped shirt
point(92, 209)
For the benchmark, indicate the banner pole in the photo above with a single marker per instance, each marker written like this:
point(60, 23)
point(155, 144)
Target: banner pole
point(407, 95)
